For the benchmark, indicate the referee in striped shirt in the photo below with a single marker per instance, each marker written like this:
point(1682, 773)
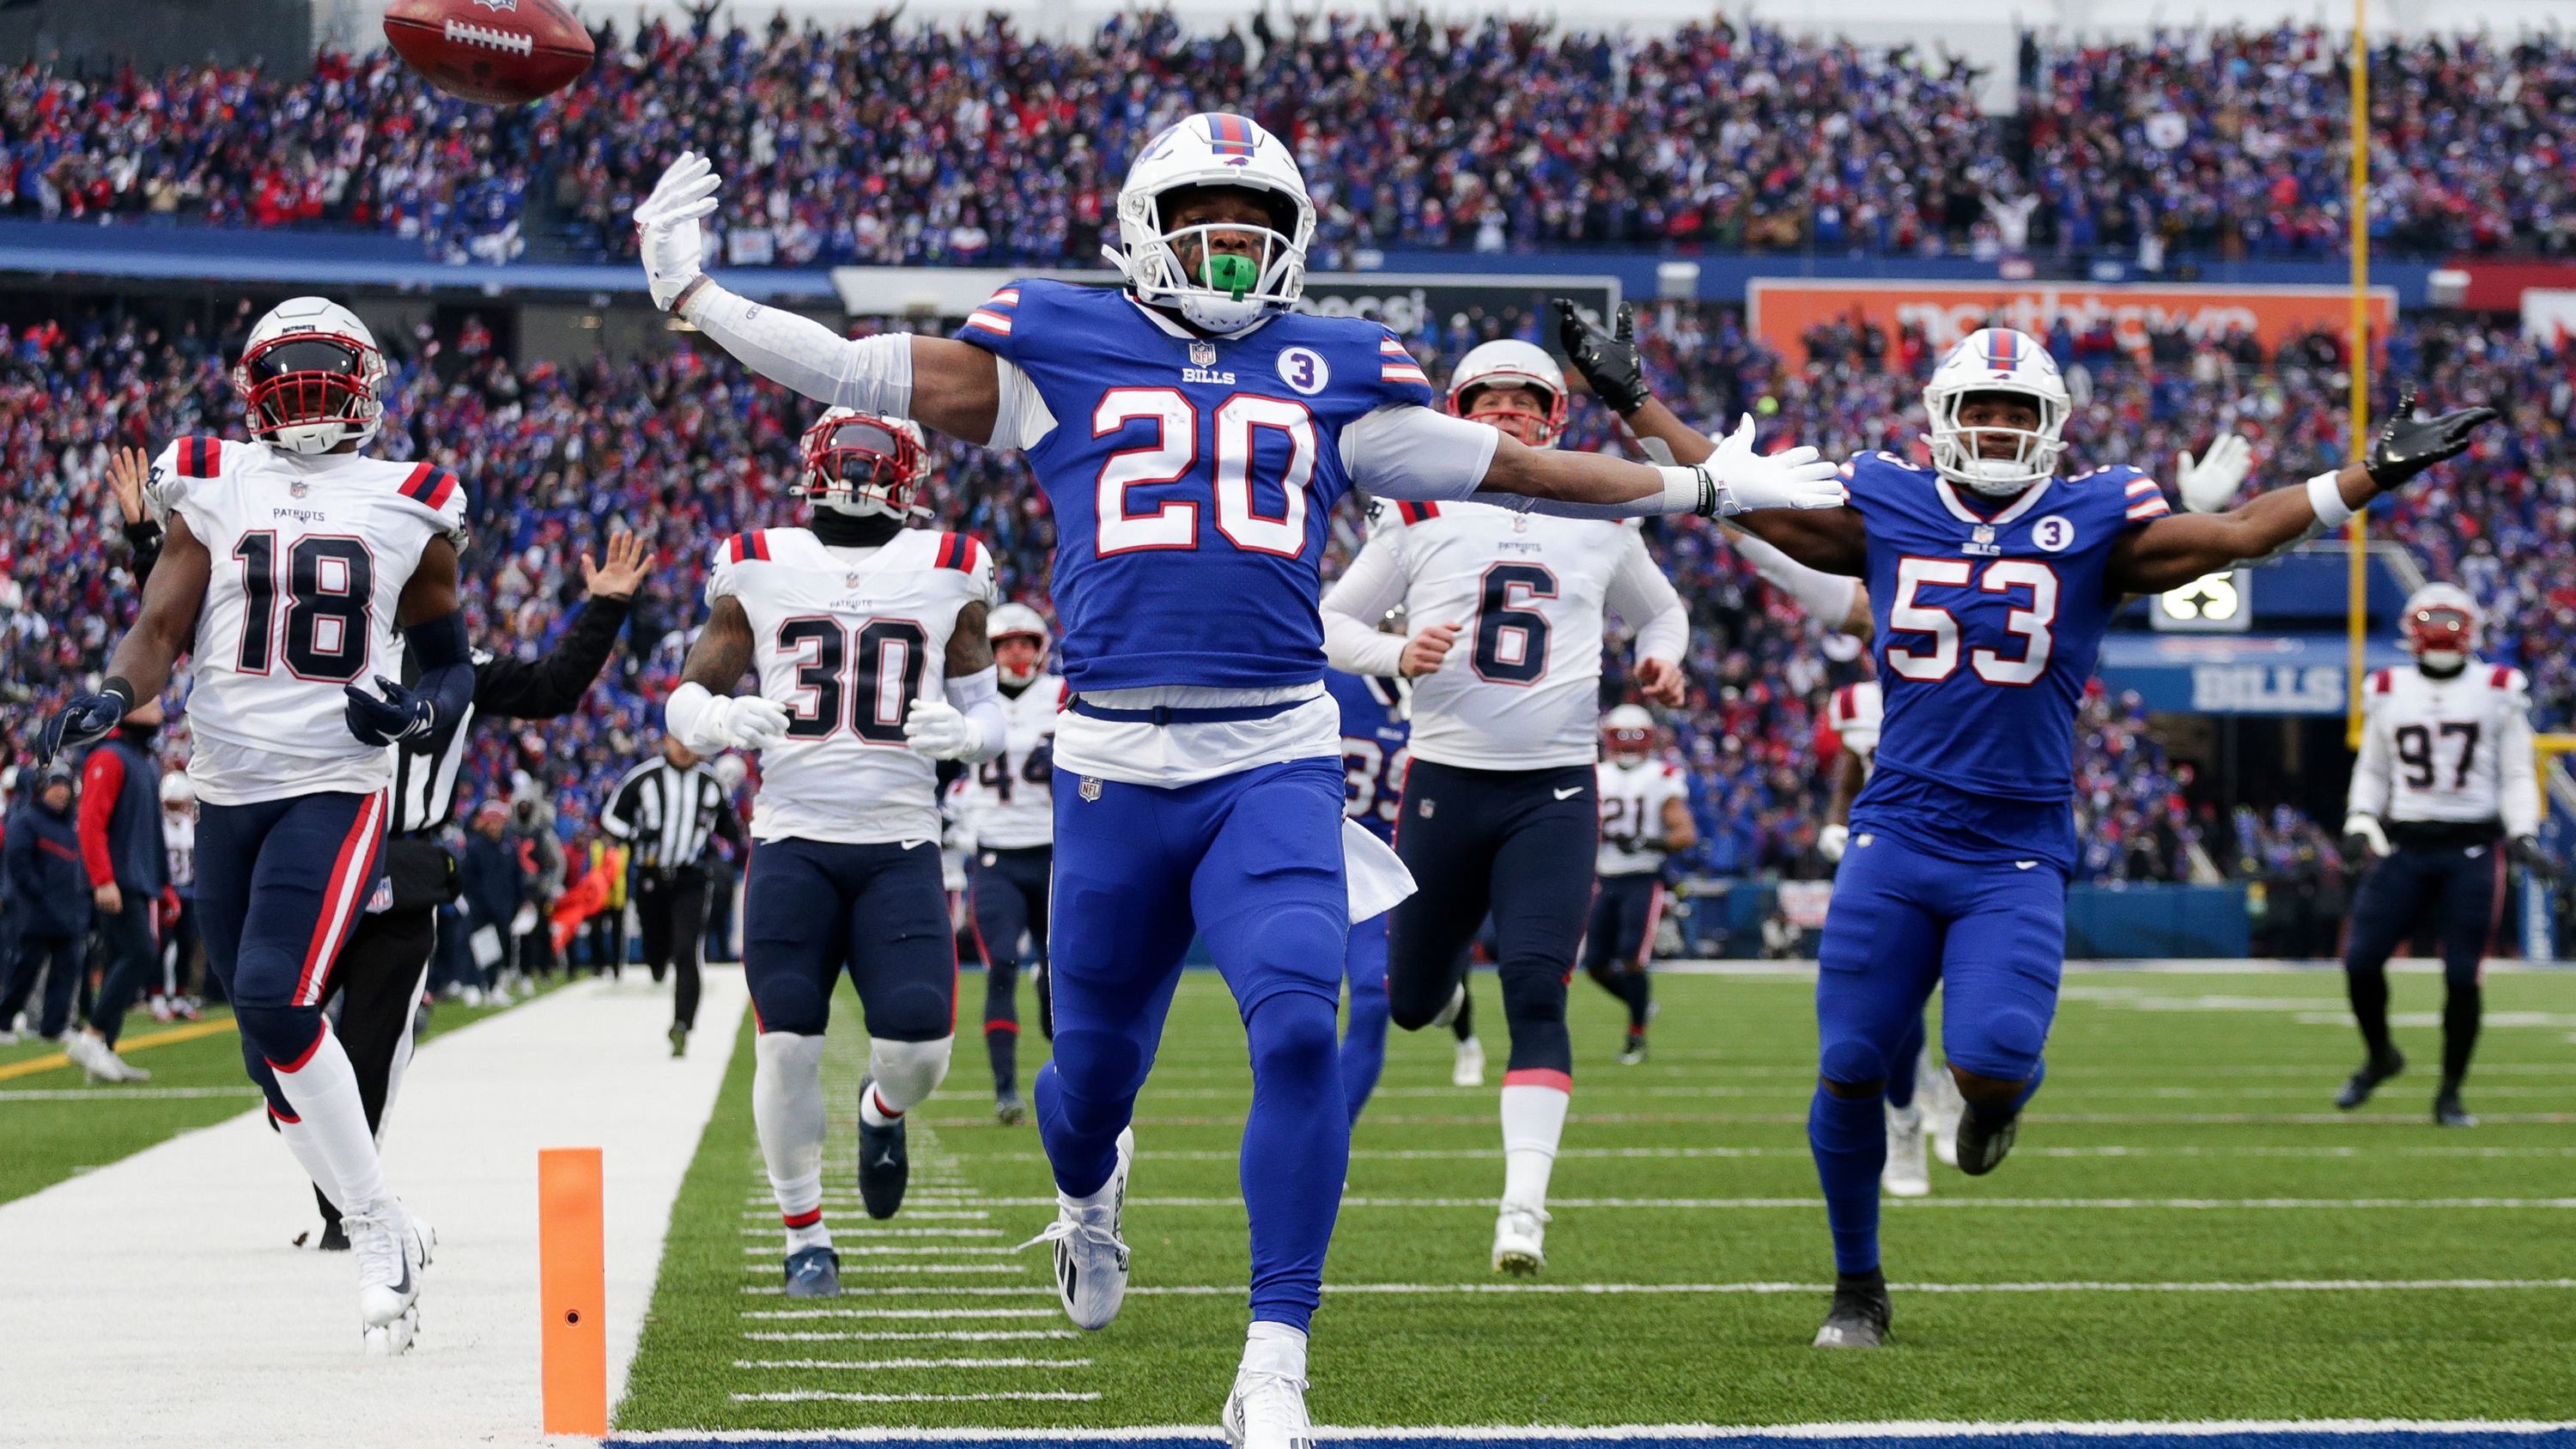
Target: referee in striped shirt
point(669, 810)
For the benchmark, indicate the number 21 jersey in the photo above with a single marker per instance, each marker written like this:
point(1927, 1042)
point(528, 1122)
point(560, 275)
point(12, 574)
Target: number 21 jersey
point(309, 558)
point(847, 639)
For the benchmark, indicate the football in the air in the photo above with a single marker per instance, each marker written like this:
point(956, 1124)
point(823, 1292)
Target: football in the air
point(498, 52)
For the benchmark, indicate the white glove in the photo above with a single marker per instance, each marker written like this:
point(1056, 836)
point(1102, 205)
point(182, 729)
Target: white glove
point(666, 226)
point(2210, 484)
point(2367, 827)
point(1792, 478)
point(1832, 841)
point(710, 724)
point(940, 730)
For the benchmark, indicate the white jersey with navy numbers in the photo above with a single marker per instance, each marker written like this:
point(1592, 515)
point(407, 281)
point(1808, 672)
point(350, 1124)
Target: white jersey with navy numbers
point(1010, 799)
point(847, 639)
point(2454, 751)
point(1520, 690)
point(309, 555)
point(1632, 813)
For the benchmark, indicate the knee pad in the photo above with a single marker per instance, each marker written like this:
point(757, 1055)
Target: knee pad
point(1097, 1066)
point(1533, 991)
point(1292, 1038)
point(1851, 1062)
point(786, 1003)
point(2005, 1046)
point(914, 1011)
point(280, 1034)
point(907, 1071)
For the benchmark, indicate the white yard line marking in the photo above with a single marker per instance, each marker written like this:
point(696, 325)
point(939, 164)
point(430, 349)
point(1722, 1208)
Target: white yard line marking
point(2274, 1285)
point(955, 1335)
point(796, 1313)
point(820, 1396)
point(909, 1363)
point(2183, 1204)
point(1920, 1429)
point(123, 1094)
point(1479, 1154)
point(864, 1232)
point(927, 1248)
point(2161, 1119)
point(770, 1265)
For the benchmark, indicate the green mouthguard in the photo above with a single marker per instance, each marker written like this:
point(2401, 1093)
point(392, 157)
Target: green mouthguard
point(1232, 274)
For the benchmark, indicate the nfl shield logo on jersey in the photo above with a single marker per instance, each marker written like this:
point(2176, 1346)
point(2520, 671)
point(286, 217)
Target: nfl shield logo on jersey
point(1203, 354)
point(298, 488)
point(1981, 541)
point(1090, 788)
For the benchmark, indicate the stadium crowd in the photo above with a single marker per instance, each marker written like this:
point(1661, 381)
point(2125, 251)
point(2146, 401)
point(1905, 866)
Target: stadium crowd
point(895, 143)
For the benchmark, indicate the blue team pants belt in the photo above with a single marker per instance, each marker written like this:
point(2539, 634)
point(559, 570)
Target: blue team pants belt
point(1163, 714)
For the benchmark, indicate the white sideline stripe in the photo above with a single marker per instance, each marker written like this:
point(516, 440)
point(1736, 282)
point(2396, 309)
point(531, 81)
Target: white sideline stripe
point(124, 1094)
point(790, 1313)
point(1475, 1154)
point(820, 1396)
point(958, 1335)
point(909, 1363)
point(1915, 1204)
point(1918, 1429)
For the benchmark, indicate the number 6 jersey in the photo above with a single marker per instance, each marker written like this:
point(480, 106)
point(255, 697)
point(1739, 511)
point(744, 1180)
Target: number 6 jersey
point(309, 558)
point(847, 639)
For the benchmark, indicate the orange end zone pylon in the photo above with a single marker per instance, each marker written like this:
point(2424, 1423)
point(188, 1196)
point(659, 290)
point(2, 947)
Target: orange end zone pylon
point(572, 1273)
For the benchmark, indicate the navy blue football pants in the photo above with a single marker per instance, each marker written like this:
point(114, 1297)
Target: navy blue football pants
point(813, 909)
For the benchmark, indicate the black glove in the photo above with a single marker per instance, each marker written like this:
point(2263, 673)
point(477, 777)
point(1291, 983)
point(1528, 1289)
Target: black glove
point(399, 715)
point(1609, 361)
point(2535, 857)
point(87, 718)
point(2407, 445)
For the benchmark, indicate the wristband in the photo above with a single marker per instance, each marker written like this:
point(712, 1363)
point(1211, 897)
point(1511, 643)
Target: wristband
point(1687, 490)
point(116, 685)
point(2325, 495)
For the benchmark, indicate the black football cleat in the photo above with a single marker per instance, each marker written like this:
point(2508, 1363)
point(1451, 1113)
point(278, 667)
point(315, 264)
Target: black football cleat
point(2377, 1069)
point(1860, 1312)
point(1983, 1145)
point(884, 1165)
point(2447, 1111)
point(814, 1273)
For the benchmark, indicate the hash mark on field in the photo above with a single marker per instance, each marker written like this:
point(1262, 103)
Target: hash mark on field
point(814, 1396)
point(779, 1313)
point(888, 1252)
point(954, 1335)
point(909, 1363)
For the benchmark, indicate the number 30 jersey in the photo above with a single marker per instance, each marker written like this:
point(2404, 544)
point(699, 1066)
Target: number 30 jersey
point(847, 639)
point(1010, 798)
point(1989, 620)
point(309, 559)
point(2455, 751)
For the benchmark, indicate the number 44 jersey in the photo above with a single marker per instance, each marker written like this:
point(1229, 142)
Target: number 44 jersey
point(847, 639)
point(1010, 798)
point(1989, 615)
point(309, 559)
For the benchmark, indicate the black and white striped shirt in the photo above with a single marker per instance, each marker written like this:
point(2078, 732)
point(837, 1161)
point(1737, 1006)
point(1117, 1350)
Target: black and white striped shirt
point(668, 814)
point(424, 789)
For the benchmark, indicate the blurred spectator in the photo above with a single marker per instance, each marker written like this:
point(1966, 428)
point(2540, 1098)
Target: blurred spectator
point(48, 899)
point(128, 863)
point(490, 892)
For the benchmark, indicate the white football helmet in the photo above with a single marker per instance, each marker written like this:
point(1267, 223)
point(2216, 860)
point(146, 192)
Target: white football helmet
point(313, 376)
point(2440, 627)
point(863, 465)
point(1514, 363)
point(1019, 620)
point(1214, 148)
point(1997, 359)
point(1628, 734)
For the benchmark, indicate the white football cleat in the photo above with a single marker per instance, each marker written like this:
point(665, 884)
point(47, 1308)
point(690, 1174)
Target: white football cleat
point(1520, 1240)
point(1267, 1411)
point(1906, 1174)
point(1090, 1257)
point(1470, 1068)
point(1938, 1095)
point(391, 1251)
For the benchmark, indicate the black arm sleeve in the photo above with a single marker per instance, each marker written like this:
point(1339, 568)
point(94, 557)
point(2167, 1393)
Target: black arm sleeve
point(143, 536)
point(728, 822)
point(553, 683)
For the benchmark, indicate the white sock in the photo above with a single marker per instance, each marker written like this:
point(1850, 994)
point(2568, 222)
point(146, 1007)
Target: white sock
point(307, 1156)
point(1905, 1116)
point(787, 1111)
point(907, 1072)
point(1533, 1121)
point(324, 1094)
point(1275, 1348)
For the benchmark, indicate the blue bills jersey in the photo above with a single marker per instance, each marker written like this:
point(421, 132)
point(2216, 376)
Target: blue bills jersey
point(1375, 729)
point(1989, 620)
point(1191, 478)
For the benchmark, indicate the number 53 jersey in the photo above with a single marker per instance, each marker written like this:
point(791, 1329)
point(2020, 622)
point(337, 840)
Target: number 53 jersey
point(1989, 620)
point(309, 556)
point(847, 639)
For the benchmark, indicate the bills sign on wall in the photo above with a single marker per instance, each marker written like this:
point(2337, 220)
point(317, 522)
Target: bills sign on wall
point(1784, 310)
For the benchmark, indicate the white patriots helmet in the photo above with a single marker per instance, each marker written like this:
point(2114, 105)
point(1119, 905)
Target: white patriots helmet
point(313, 377)
point(1019, 621)
point(1628, 733)
point(1510, 362)
point(1214, 148)
point(862, 465)
point(1997, 359)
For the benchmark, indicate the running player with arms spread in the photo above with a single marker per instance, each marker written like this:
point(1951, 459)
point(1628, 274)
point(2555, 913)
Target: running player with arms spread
point(290, 564)
point(1192, 434)
point(1990, 581)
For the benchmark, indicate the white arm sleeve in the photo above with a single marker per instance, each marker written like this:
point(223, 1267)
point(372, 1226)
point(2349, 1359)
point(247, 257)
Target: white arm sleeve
point(1826, 598)
point(978, 696)
point(2369, 794)
point(872, 374)
point(1023, 416)
point(2517, 769)
point(1645, 599)
point(1373, 584)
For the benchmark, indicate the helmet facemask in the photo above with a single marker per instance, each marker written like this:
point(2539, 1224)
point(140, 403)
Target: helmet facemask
point(2442, 637)
point(1513, 405)
point(1958, 456)
point(1233, 285)
point(861, 466)
point(312, 392)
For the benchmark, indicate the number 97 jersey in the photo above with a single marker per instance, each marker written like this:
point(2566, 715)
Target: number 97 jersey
point(847, 639)
point(1989, 619)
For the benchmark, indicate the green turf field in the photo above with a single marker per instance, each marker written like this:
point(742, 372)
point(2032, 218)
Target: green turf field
point(2185, 1147)
point(54, 1123)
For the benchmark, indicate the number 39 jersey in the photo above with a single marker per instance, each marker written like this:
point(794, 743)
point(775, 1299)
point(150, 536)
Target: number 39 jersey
point(1191, 477)
point(847, 639)
point(309, 559)
point(2454, 751)
point(1010, 798)
point(1374, 753)
point(1989, 621)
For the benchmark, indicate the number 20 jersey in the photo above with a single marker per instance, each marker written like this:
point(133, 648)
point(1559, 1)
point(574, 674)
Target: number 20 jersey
point(1191, 478)
point(1989, 621)
point(309, 559)
point(847, 639)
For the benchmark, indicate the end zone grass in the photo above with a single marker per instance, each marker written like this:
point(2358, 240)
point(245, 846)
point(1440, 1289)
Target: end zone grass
point(2187, 1231)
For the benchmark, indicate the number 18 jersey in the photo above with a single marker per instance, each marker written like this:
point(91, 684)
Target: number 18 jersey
point(1989, 620)
point(309, 559)
point(847, 639)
